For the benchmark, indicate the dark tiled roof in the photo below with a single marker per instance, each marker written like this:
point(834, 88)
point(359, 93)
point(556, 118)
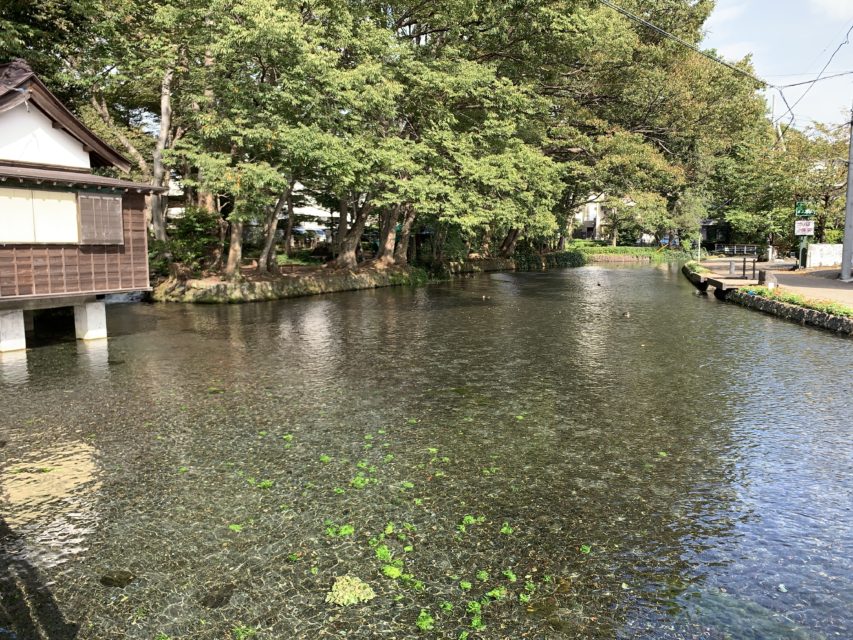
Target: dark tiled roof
point(13, 74)
point(11, 175)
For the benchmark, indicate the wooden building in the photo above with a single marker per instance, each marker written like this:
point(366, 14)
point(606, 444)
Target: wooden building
point(67, 236)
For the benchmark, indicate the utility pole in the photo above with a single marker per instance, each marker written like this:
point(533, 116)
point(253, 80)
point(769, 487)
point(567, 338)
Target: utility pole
point(847, 250)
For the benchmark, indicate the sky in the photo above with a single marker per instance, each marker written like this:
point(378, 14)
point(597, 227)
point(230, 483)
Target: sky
point(790, 41)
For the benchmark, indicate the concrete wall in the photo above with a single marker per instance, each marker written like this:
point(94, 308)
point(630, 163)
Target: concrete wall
point(823, 255)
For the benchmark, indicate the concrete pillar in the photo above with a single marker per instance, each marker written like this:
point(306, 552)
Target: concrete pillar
point(12, 332)
point(90, 321)
point(29, 321)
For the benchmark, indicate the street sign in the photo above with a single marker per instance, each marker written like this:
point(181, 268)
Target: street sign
point(802, 210)
point(804, 228)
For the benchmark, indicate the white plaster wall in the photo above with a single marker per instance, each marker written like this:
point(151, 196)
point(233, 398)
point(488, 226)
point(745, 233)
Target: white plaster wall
point(27, 135)
point(824, 255)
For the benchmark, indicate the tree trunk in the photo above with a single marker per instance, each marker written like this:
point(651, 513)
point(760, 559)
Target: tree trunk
point(158, 179)
point(401, 252)
point(343, 211)
point(347, 259)
point(288, 229)
point(267, 257)
point(387, 237)
point(219, 251)
point(235, 251)
point(508, 244)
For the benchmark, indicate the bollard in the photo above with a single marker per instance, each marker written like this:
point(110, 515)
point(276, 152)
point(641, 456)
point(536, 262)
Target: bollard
point(753, 268)
point(744, 267)
point(731, 267)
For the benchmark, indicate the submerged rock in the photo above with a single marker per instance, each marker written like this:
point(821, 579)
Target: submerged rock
point(218, 596)
point(118, 578)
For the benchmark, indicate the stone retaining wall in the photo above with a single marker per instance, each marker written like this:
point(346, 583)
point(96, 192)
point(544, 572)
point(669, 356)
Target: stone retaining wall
point(791, 312)
point(215, 292)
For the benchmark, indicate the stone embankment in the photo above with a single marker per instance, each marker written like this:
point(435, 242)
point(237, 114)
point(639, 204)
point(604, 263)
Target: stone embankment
point(215, 291)
point(794, 313)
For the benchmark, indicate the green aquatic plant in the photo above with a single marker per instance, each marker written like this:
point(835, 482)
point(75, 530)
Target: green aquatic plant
point(425, 621)
point(242, 632)
point(265, 484)
point(483, 575)
point(348, 590)
point(236, 528)
point(325, 459)
point(336, 531)
point(388, 457)
point(465, 585)
point(383, 553)
point(392, 571)
point(469, 520)
point(510, 575)
point(446, 606)
point(360, 481)
point(407, 485)
point(287, 437)
point(183, 469)
point(506, 529)
point(585, 549)
point(339, 490)
point(498, 593)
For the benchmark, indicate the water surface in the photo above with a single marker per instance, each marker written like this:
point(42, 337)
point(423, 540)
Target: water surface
point(680, 473)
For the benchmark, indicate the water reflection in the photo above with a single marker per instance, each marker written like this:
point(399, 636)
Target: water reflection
point(13, 367)
point(95, 357)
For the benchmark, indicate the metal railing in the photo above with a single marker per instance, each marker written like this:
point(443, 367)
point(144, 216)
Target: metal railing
point(737, 249)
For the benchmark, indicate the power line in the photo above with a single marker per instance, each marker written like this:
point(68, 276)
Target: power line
point(818, 79)
point(819, 76)
point(684, 43)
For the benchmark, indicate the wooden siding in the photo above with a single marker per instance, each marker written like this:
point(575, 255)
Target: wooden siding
point(44, 271)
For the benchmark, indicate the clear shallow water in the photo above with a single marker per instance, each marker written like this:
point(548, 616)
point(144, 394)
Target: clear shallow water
point(682, 473)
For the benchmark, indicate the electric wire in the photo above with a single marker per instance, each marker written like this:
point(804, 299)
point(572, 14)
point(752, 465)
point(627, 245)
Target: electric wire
point(682, 42)
point(763, 83)
point(791, 108)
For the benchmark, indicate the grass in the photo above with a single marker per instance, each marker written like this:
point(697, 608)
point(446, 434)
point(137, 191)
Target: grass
point(832, 308)
point(656, 254)
point(695, 267)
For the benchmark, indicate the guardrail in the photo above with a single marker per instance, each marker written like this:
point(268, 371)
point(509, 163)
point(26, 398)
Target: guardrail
point(737, 249)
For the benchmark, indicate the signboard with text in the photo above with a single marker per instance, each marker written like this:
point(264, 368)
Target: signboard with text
point(804, 228)
point(801, 209)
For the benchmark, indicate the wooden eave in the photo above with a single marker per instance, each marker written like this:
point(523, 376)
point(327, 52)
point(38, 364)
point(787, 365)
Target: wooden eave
point(12, 175)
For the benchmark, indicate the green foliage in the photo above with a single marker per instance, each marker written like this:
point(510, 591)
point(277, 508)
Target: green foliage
point(510, 121)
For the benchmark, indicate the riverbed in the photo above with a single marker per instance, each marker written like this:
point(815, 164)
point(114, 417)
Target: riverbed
point(588, 453)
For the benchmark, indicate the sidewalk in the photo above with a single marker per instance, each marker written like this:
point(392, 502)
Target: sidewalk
point(817, 284)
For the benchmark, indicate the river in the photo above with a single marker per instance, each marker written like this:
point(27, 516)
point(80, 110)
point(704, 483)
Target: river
point(507, 455)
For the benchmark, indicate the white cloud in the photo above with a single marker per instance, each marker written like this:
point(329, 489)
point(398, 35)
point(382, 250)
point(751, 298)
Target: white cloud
point(839, 9)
